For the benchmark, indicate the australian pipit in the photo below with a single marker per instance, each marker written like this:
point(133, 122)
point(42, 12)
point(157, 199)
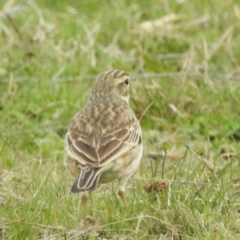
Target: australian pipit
point(104, 139)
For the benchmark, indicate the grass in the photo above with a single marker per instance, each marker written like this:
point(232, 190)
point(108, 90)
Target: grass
point(187, 65)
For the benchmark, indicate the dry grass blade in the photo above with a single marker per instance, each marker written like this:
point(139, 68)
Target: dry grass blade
point(204, 160)
point(164, 21)
point(145, 111)
point(193, 23)
point(10, 11)
point(12, 222)
point(220, 42)
point(45, 226)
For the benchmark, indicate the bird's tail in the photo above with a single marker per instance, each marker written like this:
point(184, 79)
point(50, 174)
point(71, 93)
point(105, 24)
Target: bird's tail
point(87, 180)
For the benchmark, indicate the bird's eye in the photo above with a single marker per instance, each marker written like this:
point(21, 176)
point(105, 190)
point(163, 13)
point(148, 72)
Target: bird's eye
point(126, 81)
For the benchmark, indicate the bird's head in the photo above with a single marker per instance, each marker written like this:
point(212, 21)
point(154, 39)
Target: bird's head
point(112, 85)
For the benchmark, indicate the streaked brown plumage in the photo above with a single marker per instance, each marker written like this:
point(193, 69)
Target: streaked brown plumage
point(104, 139)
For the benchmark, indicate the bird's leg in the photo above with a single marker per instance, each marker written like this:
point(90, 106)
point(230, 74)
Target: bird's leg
point(121, 188)
point(121, 195)
point(84, 204)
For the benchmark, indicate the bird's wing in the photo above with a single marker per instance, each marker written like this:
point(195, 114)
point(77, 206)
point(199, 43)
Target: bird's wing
point(97, 146)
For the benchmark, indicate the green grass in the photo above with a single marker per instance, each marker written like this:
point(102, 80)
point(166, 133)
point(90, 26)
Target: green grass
point(188, 81)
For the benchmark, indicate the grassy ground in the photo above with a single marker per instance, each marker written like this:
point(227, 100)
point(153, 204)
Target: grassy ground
point(187, 63)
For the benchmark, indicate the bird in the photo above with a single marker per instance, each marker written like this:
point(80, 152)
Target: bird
point(104, 139)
